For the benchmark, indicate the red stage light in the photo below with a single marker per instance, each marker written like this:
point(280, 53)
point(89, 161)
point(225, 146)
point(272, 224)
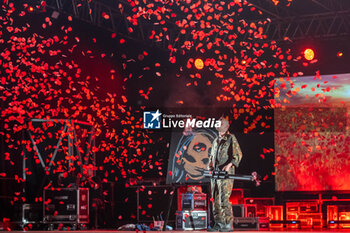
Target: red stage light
point(243, 62)
point(309, 54)
point(30, 9)
point(340, 54)
point(199, 64)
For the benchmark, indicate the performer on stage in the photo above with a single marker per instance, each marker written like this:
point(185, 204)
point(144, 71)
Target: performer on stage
point(225, 155)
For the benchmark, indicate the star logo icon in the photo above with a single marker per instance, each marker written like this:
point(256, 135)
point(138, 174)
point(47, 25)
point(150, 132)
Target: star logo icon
point(156, 115)
point(151, 119)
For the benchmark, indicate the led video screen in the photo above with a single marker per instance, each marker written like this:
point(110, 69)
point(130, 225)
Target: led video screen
point(312, 140)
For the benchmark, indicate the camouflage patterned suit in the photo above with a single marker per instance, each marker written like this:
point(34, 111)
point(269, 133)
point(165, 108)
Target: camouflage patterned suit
point(223, 152)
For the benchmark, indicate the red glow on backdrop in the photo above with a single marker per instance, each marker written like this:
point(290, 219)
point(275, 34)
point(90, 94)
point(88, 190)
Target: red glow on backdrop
point(309, 54)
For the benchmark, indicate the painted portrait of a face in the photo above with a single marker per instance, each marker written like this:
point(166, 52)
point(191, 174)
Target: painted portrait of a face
point(192, 156)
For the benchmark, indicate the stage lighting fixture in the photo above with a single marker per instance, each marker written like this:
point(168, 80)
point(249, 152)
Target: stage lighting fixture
point(199, 64)
point(30, 9)
point(309, 54)
point(243, 62)
point(340, 54)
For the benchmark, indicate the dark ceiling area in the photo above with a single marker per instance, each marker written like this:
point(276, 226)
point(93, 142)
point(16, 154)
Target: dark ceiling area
point(323, 25)
point(293, 20)
point(308, 19)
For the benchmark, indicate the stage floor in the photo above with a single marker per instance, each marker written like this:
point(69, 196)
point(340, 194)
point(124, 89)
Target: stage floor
point(275, 231)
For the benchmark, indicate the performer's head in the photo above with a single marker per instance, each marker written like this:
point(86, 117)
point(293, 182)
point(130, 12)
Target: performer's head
point(225, 125)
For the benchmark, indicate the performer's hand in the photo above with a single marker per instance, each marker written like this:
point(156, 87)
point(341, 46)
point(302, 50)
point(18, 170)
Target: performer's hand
point(227, 167)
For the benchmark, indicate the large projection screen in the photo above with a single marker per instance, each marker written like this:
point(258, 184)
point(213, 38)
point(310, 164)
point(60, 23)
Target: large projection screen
point(312, 140)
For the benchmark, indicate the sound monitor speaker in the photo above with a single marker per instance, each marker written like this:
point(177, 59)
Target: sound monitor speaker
point(238, 210)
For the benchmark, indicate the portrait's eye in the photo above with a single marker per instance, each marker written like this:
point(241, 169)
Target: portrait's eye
point(199, 147)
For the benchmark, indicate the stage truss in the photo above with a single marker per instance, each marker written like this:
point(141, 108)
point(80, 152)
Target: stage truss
point(74, 142)
point(322, 19)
